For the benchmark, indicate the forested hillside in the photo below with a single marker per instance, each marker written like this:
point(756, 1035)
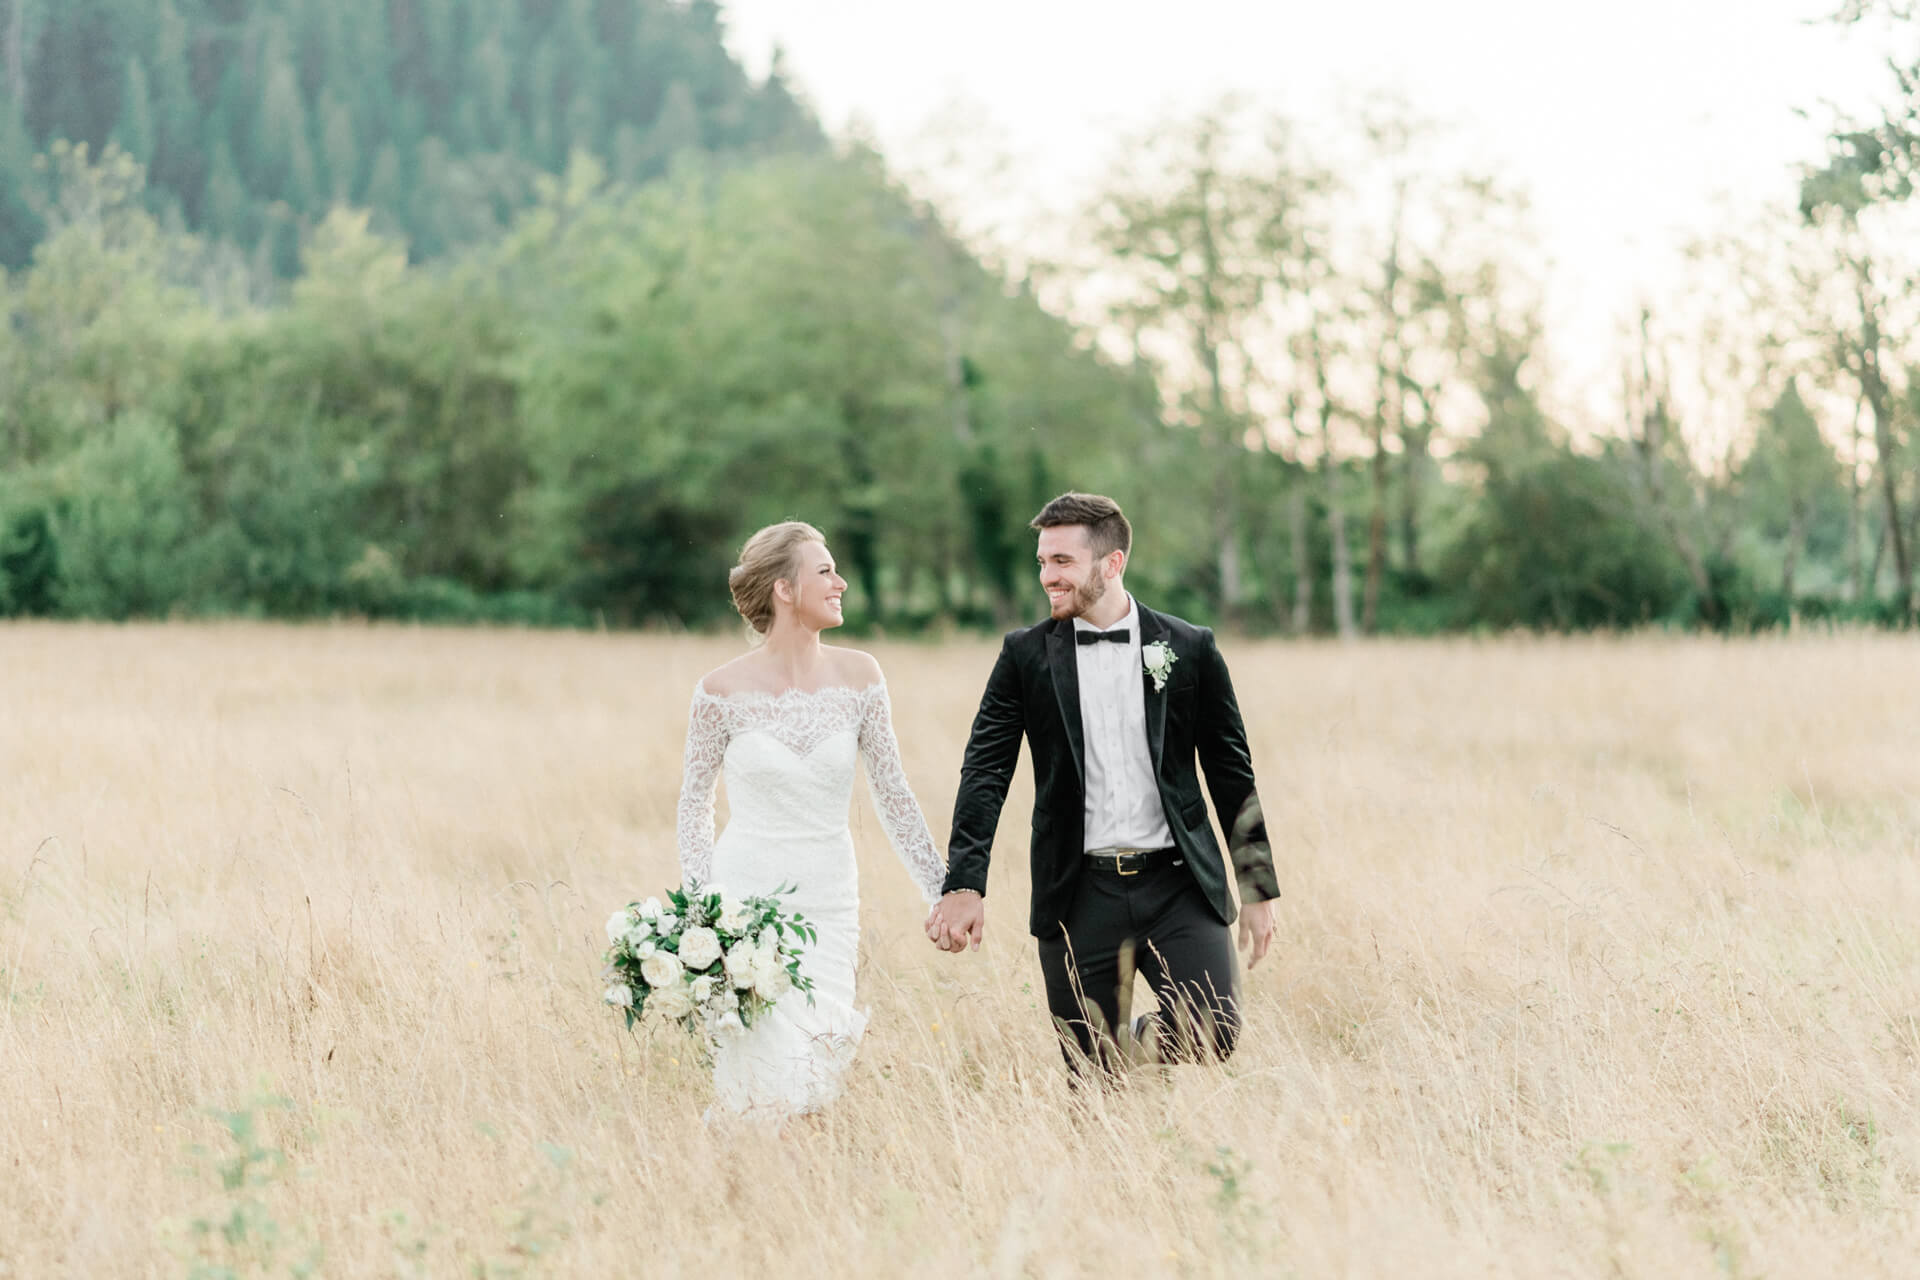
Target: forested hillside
point(252, 118)
point(532, 309)
point(501, 308)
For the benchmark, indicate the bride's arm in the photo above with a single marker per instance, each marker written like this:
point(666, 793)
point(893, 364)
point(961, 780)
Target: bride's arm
point(706, 749)
point(899, 812)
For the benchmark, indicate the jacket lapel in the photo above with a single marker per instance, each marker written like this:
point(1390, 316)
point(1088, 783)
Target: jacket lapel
point(1064, 667)
point(1153, 630)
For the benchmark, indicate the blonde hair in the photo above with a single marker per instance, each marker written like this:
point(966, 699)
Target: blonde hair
point(769, 557)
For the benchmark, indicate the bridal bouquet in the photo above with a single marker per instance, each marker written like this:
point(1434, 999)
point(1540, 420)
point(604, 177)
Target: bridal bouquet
point(705, 960)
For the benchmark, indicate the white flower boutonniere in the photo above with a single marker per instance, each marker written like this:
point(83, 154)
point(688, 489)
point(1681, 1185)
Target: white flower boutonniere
point(1158, 659)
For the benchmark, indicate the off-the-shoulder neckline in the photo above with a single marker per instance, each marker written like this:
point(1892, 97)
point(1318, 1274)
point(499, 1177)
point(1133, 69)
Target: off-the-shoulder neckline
point(763, 695)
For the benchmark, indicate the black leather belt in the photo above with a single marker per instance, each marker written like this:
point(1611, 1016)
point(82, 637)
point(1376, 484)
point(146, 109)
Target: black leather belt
point(1129, 862)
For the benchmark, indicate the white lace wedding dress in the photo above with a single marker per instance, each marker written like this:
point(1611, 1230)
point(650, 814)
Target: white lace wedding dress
point(789, 763)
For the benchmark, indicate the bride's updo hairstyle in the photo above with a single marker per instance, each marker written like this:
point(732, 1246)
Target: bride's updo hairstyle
point(768, 557)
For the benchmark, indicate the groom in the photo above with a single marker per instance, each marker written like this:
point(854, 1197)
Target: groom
point(1116, 703)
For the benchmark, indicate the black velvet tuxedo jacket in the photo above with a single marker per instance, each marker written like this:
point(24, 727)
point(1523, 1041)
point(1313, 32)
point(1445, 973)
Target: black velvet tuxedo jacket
point(1034, 692)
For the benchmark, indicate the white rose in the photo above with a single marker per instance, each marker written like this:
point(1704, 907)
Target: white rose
point(620, 994)
point(767, 954)
point(734, 917)
point(646, 949)
point(650, 909)
point(701, 989)
point(638, 936)
point(773, 985)
point(661, 970)
point(740, 966)
point(670, 1002)
point(726, 1026)
point(618, 923)
point(666, 924)
point(699, 947)
point(763, 964)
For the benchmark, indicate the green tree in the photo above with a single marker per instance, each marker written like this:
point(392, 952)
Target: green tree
point(1669, 490)
point(1551, 537)
point(20, 224)
point(104, 306)
point(122, 522)
point(29, 565)
point(1789, 476)
point(675, 129)
point(387, 189)
point(135, 132)
point(340, 150)
point(1204, 240)
point(229, 212)
point(1873, 161)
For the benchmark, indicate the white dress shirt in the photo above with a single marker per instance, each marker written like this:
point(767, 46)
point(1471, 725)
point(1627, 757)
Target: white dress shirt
point(1123, 800)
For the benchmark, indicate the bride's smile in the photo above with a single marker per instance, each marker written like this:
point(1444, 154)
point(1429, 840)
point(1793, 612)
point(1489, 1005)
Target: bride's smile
point(817, 588)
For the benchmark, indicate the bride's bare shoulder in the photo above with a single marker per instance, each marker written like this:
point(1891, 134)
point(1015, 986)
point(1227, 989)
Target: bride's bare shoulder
point(742, 675)
point(855, 668)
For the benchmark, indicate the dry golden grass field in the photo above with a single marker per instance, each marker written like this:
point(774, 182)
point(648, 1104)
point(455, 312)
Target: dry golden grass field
point(1597, 958)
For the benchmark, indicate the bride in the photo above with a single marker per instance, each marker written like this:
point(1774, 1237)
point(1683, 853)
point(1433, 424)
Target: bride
point(783, 724)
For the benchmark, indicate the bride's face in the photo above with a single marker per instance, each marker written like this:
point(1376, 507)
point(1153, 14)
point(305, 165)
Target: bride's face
point(817, 588)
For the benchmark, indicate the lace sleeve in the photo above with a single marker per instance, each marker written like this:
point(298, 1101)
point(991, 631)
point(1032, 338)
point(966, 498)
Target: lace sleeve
point(893, 800)
point(706, 748)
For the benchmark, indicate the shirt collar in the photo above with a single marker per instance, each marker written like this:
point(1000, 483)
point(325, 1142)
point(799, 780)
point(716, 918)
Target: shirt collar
point(1130, 620)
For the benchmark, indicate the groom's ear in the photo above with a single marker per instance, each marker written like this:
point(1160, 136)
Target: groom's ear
point(1116, 563)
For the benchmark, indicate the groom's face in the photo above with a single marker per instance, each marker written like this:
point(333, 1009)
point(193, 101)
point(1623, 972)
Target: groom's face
point(1074, 581)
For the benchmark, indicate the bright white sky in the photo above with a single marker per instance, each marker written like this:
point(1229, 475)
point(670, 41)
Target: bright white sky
point(1628, 123)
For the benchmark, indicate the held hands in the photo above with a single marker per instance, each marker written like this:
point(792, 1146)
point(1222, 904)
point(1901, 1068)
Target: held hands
point(958, 921)
point(1256, 930)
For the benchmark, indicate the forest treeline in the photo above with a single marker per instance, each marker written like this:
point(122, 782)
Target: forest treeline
point(253, 118)
point(529, 310)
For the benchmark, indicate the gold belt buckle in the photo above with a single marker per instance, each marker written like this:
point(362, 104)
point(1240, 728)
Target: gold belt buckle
point(1122, 870)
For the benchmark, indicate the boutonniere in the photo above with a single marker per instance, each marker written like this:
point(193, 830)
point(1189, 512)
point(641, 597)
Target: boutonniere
point(1158, 659)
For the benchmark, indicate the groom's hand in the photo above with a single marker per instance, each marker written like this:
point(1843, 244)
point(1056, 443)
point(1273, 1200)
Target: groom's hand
point(936, 929)
point(963, 920)
point(1256, 930)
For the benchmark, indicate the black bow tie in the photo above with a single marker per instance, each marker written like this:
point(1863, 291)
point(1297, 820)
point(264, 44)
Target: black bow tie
point(1095, 637)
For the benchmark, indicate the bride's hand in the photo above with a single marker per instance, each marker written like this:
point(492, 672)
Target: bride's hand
point(964, 915)
point(936, 928)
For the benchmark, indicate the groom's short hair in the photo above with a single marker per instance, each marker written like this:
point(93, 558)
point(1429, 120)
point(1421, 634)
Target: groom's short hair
point(1106, 524)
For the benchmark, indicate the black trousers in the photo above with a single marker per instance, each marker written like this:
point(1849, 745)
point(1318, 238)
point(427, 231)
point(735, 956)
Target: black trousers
point(1158, 924)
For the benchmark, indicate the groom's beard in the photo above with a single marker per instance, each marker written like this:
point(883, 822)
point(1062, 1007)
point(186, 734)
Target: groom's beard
point(1084, 596)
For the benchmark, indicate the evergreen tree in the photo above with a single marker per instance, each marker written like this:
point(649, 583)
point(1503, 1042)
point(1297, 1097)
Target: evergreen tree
point(75, 75)
point(135, 132)
point(387, 189)
point(428, 215)
point(677, 129)
point(229, 211)
point(20, 224)
point(544, 87)
point(178, 165)
point(280, 147)
point(490, 94)
point(629, 158)
point(339, 149)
